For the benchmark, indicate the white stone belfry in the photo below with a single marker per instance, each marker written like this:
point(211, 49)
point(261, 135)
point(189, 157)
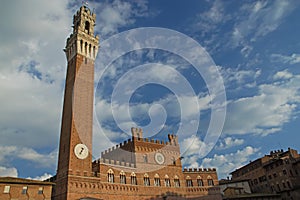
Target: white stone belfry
point(82, 41)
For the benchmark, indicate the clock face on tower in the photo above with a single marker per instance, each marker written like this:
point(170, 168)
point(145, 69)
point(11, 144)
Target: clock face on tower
point(81, 151)
point(159, 158)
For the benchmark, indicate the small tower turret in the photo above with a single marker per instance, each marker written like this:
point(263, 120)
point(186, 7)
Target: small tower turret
point(137, 132)
point(82, 41)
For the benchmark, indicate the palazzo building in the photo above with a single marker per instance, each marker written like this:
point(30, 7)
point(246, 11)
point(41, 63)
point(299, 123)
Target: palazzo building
point(138, 168)
point(276, 173)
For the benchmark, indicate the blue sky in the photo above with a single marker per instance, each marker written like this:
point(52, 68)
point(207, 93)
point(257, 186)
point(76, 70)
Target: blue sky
point(254, 45)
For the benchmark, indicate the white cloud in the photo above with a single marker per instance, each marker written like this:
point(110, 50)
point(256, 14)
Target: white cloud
point(170, 106)
point(193, 149)
point(33, 33)
point(42, 177)
point(32, 71)
point(226, 163)
point(192, 145)
point(30, 108)
point(117, 14)
point(258, 6)
point(211, 19)
point(8, 171)
point(34, 156)
point(282, 75)
point(266, 112)
point(230, 142)
point(257, 20)
point(10, 153)
point(239, 78)
point(292, 59)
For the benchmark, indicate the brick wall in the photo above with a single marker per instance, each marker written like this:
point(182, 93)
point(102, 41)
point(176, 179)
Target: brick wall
point(21, 189)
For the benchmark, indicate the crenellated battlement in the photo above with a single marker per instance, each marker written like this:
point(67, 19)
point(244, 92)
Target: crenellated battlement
point(153, 141)
point(114, 162)
point(276, 152)
point(187, 170)
point(116, 147)
point(173, 139)
point(137, 134)
point(79, 19)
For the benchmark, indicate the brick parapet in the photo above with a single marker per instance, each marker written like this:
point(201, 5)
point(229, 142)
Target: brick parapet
point(190, 170)
point(135, 143)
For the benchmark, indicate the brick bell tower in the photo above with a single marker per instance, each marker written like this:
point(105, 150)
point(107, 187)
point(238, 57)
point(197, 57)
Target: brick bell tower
point(75, 148)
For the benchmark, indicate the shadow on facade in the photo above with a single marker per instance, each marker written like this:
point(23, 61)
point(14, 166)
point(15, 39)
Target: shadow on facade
point(211, 195)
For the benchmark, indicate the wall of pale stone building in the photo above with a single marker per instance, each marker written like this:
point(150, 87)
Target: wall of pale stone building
point(277, 172)
point(13, 191)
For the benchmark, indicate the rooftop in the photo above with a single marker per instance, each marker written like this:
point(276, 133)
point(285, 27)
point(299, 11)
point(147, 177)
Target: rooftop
point(14, 180)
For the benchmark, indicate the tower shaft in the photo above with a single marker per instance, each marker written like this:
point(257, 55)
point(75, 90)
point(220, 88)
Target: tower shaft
point(75, 148)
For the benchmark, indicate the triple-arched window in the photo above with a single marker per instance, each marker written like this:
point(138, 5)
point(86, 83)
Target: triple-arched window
point(146, 180)
point(167, 181)
point(176, 181)
point(199, 181)
point(156, 180)
point(210, 181)
point(122, 177)
point(133, 179)
point(110, 176)
point(189, 182)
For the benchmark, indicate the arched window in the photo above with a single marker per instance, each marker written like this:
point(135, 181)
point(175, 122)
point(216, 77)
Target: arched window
point(86, 48)
point(167, 181)
point(90, 50)
point(81, 45)
point(133, 179)
point(210, 181)
point(87, 26)
point(110, 176)
point(145, 158)
point(156, 180)
point(122, 177)
point(199, 181)
point(189, 182)
point(146, 180)
point(176, 181)
point(94, 51)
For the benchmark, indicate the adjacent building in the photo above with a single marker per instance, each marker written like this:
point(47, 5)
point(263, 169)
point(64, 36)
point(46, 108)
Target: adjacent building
point(276, 173)
point(240, 189)
point(22, 189)
point(241, 185)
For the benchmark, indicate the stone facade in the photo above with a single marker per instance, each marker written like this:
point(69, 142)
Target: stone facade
point(138, 168)
point(242, 184)
point(23, 189)
point(278, 172)
point(240, 189)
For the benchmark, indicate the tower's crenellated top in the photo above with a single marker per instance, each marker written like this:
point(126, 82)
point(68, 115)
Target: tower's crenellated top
point(173, 139)
point(84, 20)
point(83, 41)
point(137, 132)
